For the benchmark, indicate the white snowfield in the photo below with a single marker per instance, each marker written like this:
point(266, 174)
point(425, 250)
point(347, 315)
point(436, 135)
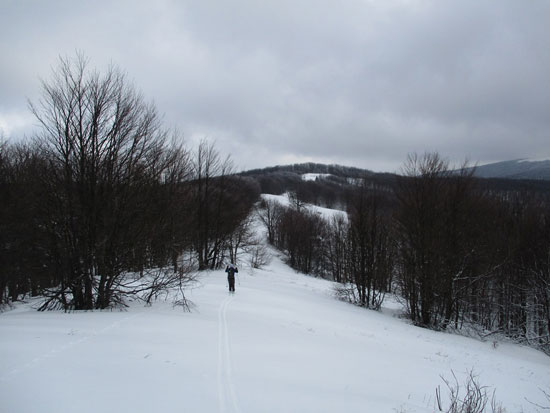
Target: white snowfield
point(282, 343)
point(325, 213)
point(313, 177)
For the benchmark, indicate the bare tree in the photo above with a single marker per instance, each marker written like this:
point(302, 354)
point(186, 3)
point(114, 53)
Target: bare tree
point(437, 228)
point(270, 212)
point(336, 251)
point(370, 253)
point(106, 151)
point(259, 255)
point(220, 203)
point(209, 174)
point(296, 200)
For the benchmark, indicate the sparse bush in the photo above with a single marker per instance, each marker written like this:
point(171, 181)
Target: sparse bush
point(474, 398)
point(259, 256)
point(346, 292)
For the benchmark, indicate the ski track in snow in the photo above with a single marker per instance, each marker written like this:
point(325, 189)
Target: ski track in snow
point(226, 391)
point(61, 349)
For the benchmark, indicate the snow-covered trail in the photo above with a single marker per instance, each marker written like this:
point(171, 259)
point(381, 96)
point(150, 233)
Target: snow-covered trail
point(226, 387)
point(282, 343)
point(293, 348)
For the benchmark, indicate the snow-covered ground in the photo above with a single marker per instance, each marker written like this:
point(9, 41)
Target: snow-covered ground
point(326, 213)
point(282, 343)
point(313, 177)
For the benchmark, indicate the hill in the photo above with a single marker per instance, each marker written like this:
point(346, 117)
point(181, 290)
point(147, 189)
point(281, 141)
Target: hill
point(331, 185)
point(516, 169)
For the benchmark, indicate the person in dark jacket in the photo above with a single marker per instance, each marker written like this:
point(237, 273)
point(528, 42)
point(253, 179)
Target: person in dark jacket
point(231, 269)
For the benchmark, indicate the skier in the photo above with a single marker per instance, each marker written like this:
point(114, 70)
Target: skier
point(231, 269)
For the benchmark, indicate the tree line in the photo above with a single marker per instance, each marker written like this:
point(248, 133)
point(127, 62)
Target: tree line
point(104, 191)
point(461, 254)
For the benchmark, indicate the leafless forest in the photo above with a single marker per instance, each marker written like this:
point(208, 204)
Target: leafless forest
point(106, 191)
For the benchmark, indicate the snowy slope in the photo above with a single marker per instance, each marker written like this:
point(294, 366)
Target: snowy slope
point(326, 213)
point(282, 343)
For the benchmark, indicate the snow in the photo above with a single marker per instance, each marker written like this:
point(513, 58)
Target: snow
point(313, 177)
point(326, 213)
point(282, 343)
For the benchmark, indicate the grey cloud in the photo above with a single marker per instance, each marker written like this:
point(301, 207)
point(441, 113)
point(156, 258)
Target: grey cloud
point(356, 82)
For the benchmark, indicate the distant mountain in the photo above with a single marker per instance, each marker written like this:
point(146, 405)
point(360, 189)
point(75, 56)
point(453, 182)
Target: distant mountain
point(324, 185)
point(516, 169)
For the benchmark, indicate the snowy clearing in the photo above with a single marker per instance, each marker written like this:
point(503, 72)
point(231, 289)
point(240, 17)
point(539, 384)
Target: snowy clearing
point(282, 343)
point(313, 177)
point(325, 213)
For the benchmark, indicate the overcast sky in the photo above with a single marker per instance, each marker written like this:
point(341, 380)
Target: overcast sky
point(354, 82)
